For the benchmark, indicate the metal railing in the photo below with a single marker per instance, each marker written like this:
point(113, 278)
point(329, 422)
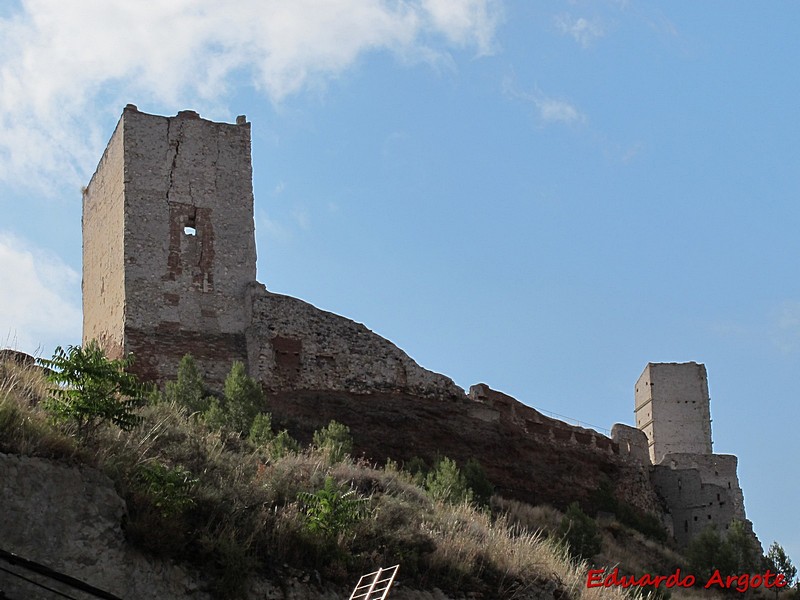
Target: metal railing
point(30, 567)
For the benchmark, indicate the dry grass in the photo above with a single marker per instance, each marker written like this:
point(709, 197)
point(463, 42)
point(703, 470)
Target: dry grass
point(23, 428)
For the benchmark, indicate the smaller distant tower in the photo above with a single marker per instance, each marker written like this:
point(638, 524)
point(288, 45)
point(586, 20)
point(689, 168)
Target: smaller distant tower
point(672, 409)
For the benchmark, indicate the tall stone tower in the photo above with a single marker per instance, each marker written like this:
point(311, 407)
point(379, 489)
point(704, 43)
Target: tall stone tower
point(672, 408)
point(169, 243)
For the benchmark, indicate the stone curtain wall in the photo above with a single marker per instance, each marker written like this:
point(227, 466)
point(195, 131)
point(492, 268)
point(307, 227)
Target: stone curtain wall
point(293, 345)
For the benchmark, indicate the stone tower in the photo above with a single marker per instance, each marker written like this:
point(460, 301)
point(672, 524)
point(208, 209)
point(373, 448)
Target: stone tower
point(672, 408)
point(169, 243)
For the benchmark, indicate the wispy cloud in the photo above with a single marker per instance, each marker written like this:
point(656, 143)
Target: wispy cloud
point(548, 108)
point(584, 31)
point(552, 110)
point(39, 306)
point(786, 331)
point(66, 66)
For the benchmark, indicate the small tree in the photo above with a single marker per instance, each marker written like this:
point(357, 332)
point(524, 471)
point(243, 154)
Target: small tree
point(283, 444)
point(188, 389)
point(446, 482)
point(336, 439)
point(779, 562)
point(580, 532)
point(476, 480)
point(90, 389)
point(261, 429)
point(243, 400)
point(734, 555)
point(706, 553)
point(742, 549)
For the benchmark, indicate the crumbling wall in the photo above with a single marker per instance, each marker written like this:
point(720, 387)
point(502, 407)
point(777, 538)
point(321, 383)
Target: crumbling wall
point(693, 505)
point(293, 345)
point(714, 469)
point(632, 443)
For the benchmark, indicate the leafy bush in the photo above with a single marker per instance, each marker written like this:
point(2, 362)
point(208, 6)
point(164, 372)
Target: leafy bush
point(336, 439)
point(580, 532)
point(90, 390)
point(330, 511)
point(170, 489)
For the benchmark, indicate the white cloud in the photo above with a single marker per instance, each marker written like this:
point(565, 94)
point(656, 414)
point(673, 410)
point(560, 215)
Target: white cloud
point(66, 66)
point(583, 31)
point(549, 110)
point(39, 306)
point(557, 111)
point(465, 22)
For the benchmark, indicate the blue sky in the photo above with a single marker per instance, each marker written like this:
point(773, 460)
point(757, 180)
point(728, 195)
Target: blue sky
point(541, 196)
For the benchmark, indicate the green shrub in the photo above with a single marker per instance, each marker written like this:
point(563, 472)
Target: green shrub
point(476, 480)
point(734, 555)
point(242, 401)
point(89, 389)
point(170, 489)
point(447, 483)
point(188, 389)
point(330, 511)
point(283, 444)
point(261, 430)
point(336, 439)
point(580, 532)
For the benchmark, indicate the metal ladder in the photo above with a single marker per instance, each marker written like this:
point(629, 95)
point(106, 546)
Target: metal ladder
point(375, 586)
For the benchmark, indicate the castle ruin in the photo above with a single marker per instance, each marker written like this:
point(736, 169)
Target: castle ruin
point(169, 268)
point(700, 488)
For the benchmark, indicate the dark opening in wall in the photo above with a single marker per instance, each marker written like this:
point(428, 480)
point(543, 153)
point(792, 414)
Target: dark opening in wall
point(190, 226)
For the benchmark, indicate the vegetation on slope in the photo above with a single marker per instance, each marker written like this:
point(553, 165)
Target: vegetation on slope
point(209, 478)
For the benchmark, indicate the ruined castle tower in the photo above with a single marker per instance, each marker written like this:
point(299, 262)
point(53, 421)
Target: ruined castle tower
point(699, 488)
point(169, 243)
point(672, 408)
